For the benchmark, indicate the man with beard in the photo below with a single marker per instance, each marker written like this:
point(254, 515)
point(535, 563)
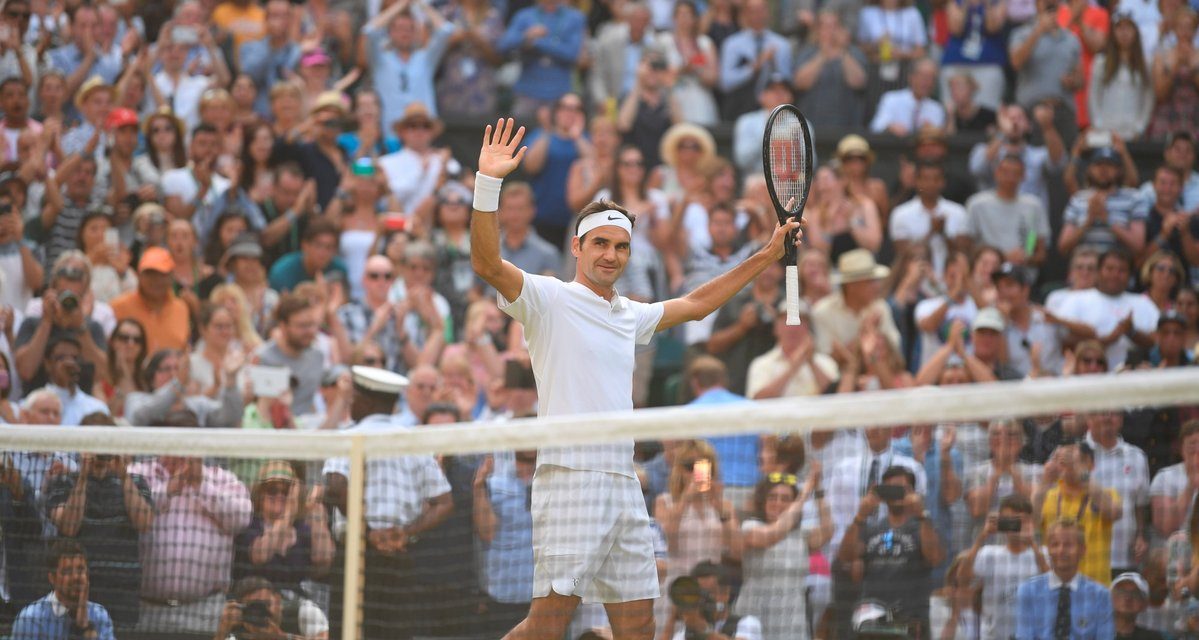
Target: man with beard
point(1105, 215)
point(1110, 314)
point(66, 611)
point(299, 321)
point(895, 555)
point(64, 361)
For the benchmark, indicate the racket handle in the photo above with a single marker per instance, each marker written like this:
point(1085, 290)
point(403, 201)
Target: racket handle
point(792, 295)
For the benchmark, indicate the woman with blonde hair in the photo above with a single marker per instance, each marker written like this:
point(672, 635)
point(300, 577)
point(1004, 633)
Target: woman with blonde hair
point(697, 521)
point(842, 220)
point(234, 299)
point(687, 150)
point(1161, 275)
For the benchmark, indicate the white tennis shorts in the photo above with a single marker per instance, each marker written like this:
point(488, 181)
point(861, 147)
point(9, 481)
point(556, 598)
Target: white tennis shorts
point(591, 537)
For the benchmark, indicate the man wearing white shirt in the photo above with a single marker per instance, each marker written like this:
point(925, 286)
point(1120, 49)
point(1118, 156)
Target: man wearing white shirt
point(1000, 568)
point(192, 192)
point(930, 218)
point(1123, 467)
point(1110, 314)
point(904, 112)
point(63, 367)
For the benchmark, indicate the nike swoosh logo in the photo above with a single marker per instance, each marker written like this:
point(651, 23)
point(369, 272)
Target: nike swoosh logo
point(614, 217)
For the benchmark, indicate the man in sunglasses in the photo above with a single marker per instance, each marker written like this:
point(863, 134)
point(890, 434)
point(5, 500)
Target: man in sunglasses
point(64, 364)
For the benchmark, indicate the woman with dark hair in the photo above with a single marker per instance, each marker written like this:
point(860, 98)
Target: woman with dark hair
point(370, 139)
point(256, 178)
point(1121, 93)
point(111, 275)
point(455, 278)
point(232, 222)
point(719, 21)
point(693, 57)
point(983, 264)
point(774, 559)
point(164, 146)
point(910, 281)
point(1187, 304)
point(1175, 82)
point(126, 355)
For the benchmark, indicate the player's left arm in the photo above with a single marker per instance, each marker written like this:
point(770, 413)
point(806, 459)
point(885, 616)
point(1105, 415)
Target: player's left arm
point(714, 293)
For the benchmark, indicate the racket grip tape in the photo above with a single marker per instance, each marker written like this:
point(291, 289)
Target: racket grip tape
point(792, 295)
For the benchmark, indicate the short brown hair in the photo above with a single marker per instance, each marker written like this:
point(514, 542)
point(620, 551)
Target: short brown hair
point(1188, 429)
point(289, 305)
point(708, 372)
point(603, 205)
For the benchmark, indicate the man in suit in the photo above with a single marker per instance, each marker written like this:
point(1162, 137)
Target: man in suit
point(749, 58)
point(1063, 604)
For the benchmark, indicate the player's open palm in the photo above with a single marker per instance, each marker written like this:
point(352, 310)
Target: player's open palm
point(501, 152)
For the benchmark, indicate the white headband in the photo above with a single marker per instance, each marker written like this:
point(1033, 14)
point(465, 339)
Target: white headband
point(609, 218)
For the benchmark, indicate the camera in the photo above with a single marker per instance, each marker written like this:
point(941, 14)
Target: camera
point(889, 492)
point(1008, 525)
point(68, 301)
point(256, 613)
point(687, 595)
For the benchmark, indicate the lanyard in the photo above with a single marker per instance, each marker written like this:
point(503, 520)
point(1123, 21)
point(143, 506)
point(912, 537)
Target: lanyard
point(1082, 506)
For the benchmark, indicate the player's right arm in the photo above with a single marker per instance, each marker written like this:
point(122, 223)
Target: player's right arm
point(500, 155)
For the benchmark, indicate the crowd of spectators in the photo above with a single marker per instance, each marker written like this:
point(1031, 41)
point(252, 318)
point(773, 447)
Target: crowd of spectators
point(210, 209)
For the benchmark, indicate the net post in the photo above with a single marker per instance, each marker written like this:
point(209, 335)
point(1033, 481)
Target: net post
point(355, 536)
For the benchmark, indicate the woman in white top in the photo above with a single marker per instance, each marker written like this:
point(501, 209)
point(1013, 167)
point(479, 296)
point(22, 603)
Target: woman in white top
point(775, 544)
point(892, 31)
point(1121, 92)
point(357, 210)
point(111, 273)
point(218, 344)
point(693, 58)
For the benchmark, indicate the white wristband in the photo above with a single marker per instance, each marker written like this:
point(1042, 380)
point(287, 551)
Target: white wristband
point(487, 193)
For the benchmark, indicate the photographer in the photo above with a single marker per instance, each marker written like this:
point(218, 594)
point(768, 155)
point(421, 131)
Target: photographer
point(258, 612)
point(1000, 568)
point(701, 604)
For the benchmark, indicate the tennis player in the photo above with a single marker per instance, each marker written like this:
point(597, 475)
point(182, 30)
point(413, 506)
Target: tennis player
point(591, 532)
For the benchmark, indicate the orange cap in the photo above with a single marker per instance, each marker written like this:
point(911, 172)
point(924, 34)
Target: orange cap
point(156, 259)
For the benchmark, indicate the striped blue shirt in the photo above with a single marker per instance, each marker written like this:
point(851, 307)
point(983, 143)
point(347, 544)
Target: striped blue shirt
point(1124, 207)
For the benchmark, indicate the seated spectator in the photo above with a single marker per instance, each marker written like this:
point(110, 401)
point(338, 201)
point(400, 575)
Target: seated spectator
point(287, 541)
point(1161, 275)
point(1130, 598)
point(195, 192)
point(594, 170)
point(1048, 64)
point(166, 378)
point(1002, 568)
point(1105, 215)
point(23, 272)
point(374, 319)
point(1120, 94)
point(258, 609)
point(265, 60)
point(1123, 468)
point(896, 554)
point(63, 366)
point(1011, 221)
point(1169, 348)
point(904, 112)
point(1173, 84)
point(830, 75)
point(67, 611)
point(929, 218)
point(837, 319)
point(427, 319)
point(317, 260)
point(714, 580)
point(63, 311)
point(1179, 153)
point(1108, 313)
point(414, 172)
point(111, 271)
point(857, 159)
point(750, 58)
point(155, 304)
point(749, 127)
point(189, 552)
point(548, 38)
point(1068, 491)
point(1043, 163)
point(503, 524)
point(1080, 608)
point(794, 367)
point(106, 509)
point(694, 57)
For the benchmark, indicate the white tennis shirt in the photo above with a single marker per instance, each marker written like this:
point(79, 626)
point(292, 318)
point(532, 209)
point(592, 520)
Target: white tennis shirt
point(581, 347)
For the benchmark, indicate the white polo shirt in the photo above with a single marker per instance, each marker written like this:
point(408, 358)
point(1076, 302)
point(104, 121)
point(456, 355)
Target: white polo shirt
point(1124, 468)
point(581, 346)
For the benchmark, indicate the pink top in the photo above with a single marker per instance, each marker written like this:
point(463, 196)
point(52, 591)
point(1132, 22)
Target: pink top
point(188, 552)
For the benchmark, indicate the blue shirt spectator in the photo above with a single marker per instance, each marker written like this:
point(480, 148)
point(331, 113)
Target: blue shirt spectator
point(509, 551)
point(57, 614)
point(402, 70)
point(554, 215)
point(289, 271)
point(1041, 602)
point(738, 454)
point(267, 64)
point(550, 38)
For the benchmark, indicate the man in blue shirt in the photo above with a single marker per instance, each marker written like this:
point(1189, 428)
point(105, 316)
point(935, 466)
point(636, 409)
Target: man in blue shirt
point(549, 39)
point(317, 255)
point(83, 58)
point(552, 150)
point(65, 612)
point(403, 70)
point(738, 454)
point(1063, 603)
point(271, 58)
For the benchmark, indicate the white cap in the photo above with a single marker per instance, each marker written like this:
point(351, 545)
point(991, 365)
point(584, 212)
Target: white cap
point(1134, 578)
point(379, 380)
point(988, 318)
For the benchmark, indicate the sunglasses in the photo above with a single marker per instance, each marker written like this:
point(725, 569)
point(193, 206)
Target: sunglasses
point(690, 464)
point(419, 125)
point(689, 146)
point(372, 362)
point(788, 479)
point(128, 338)
point(378, 275)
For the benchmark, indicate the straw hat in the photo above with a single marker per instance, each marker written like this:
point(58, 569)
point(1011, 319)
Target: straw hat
point(858, 265)
point(330, 100)
point(90, 86)
point(668, 149)
point(418, 111)
point(854, 145)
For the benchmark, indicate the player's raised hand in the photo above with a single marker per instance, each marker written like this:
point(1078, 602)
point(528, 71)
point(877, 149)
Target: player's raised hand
point(500, 142)
point(777, 245)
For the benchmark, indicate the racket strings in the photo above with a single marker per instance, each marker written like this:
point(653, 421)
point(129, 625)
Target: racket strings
point(788, 170)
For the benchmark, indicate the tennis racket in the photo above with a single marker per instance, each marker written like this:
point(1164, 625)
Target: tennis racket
point(787, 160)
